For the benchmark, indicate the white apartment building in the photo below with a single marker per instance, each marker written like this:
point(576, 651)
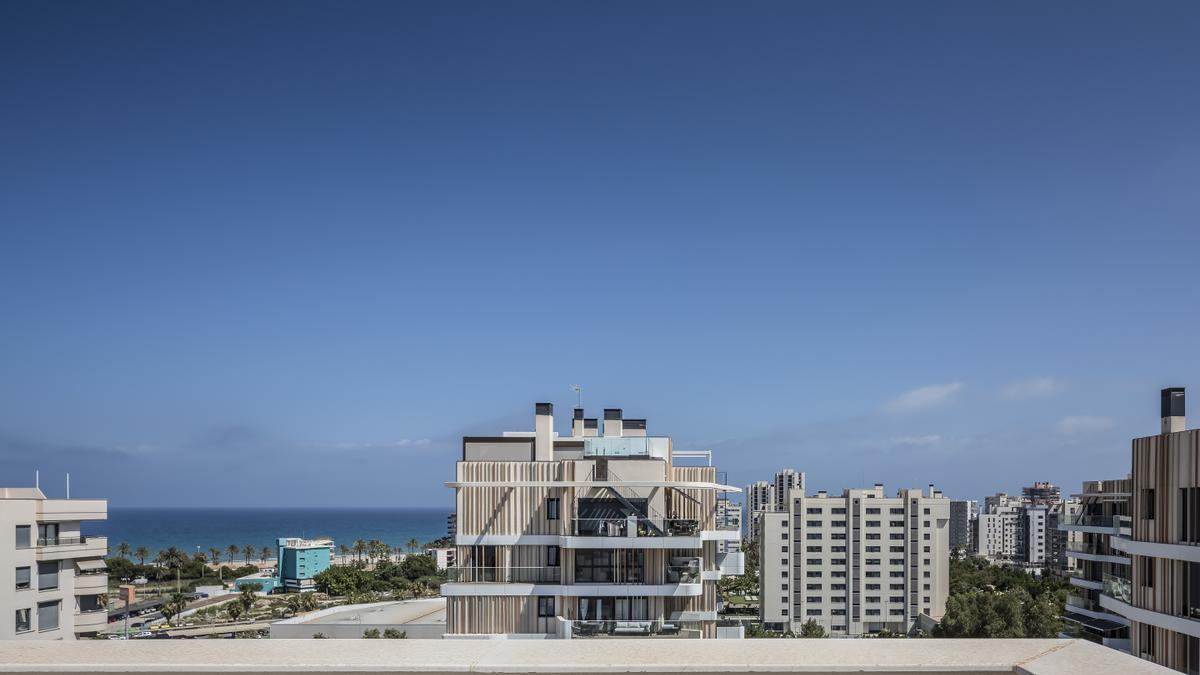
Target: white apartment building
point(997, 534)
point(786, 482)
point(763, 496)
point(729, 517)
point(858, 563)
point(586, 535)
point(52, 578)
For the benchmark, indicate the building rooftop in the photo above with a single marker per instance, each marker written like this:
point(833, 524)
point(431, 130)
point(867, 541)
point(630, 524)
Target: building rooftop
point(811, 657)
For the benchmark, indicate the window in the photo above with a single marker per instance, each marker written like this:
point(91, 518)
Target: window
point(813, 612)
point(1147, 571)
point(872, 612)
point(896, 511)
point(896, 612)
point(546, 606)
point(48, 615)
point(785, 523)
point(783, 611)
point(23, 625)
point(813, 561)
point(813, 574)
point(552, 556)
point(839, 523)
point(814, 549)
point(23, 536)
point(872, 561)
point(839, 511)
point(23, 581)
point(837, 549)
point(926, 511)
point(1148, 504)
point(896, 598)
point(873, 598)
point(552, 508)
point(873, 511)
point(899, 574)
point(896, 587)
point(783, 562)
point(783, 587)
point(925, 600)
point(872, 587)
point(838, 561)
point(813, 587)
point(783, 600)
point(813, 535)
point(813, 598)
point(926, 536)
point(47, 578)
point(816, 510)
point(925, 587)
point(602, 565)
point(840, 536)
point(872, 536)
point(813, 523)
point(872, 523)
point(927, 523)
point(896, 561)
point(783, 574)
point(926, 549)
point(837, 587)
point(874, 574)
point(896, 523)
point(896, 549)
point(838, 575)
point(898, 535)
point(837, 612)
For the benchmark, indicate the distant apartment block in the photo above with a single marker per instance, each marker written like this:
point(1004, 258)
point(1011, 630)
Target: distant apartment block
point(857, 563)
point(729, 518)
point(767, 496)
point(1041, 494)
point(443, 557)
point(963, 514)
point(53, 580)
point(605, 532)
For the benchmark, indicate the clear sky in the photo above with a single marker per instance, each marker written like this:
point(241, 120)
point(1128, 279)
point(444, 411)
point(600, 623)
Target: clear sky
point(289, 253)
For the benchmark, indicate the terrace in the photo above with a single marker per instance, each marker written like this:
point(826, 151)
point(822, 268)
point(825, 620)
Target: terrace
point(695, 657)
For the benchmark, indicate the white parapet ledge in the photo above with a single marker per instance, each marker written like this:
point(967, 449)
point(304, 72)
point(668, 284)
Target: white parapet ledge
point(694, 657)
point(679, 484)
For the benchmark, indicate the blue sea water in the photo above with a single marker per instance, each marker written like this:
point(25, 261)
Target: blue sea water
point(189, 528)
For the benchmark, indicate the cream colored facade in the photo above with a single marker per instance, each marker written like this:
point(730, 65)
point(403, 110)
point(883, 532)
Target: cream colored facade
point(585, 535)
point(52, 578)
point(857, 563)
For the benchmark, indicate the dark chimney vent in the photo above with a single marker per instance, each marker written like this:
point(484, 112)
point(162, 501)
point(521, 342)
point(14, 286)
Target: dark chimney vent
point(578, 414)
point(635, 424)
point(1172, 402)
point(612, 413)
point(591, 423)
point(543, 408)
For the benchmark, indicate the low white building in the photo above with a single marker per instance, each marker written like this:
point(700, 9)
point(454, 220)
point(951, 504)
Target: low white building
point(442, 557)
point(52, 578)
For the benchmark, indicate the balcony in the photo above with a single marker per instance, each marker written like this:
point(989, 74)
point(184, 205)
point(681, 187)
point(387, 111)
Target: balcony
point(1086, 551)
point(544, 657)
point(64, 510)
point(634, 628)
point(1086, 522)
point(633, 526)
point(504, 575)
point(88, 584)
point(65, 548)
point(1117, 587)
point(91, 620)
point(657, 447)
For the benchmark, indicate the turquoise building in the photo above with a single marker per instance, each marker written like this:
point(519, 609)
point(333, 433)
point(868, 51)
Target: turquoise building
point(297, 561)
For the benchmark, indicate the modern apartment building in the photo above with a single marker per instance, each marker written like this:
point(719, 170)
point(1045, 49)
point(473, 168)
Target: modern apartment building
point(605, 532)
point(857, 563)
point(1059, 540)
point(52, 578)
point(729, 517)
point(297, 562)
point(1161, 595)
point(1041, 494)
point(963, 514)
point(997, 534)
point(1103, 507)
point(785, 483)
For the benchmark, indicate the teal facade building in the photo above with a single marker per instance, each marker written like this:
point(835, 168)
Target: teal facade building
point(297, 561)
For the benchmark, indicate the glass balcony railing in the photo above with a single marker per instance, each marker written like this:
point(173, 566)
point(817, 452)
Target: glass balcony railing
point(1093, 549)
point(627, 446)
point(1118, 588)
point(1087, 520)
point(1124, 525)
point(688, 573)
point(632, 526)
point(655, 628)
point(62, 541)
point(1084, 603)
point(505, 575)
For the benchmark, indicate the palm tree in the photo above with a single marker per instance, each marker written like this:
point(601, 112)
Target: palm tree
point(235, 610)
point(399, 552)
point(142, 553)
point(232, 550)
point(345, 551)
point(360, 547)
point(264, 554)
point(174, 607)
point(248, 551)
point(413, 544)
point(123, 549)
point(215, 555)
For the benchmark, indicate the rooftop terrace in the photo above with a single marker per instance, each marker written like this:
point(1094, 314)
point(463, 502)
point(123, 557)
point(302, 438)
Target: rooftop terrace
point(811, 657)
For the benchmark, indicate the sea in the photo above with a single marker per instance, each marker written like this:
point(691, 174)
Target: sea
point(192, 529)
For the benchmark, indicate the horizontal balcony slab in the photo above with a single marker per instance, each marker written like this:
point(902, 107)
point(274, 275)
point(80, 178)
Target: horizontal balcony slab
point(65, 510)
point(91, 547)
point(1100, 557)
point(91, 584)
point(574, 541)
point(454, 589)
point(1179, 624)
point(1186, 552)
point(1086, 583)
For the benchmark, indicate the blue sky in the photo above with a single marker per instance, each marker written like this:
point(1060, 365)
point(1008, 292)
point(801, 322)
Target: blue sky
point(289, 253)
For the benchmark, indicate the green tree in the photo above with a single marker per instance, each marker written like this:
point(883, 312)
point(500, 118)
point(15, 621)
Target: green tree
point(173, 607)
point(248, 552)
point(812, 629)
point(371, 633)
point(413, 544)
point(123, 549)
point(235, 610)
point(142, 553)
point(264, 554)
point(360, 547)
point(344, 550)
point(248, 596)
point(343, 580)
point(417, 566)
point(232, 550)
point(394, 634)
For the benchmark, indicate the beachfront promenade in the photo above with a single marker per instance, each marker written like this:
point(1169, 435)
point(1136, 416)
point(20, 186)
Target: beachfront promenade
point(700, 657)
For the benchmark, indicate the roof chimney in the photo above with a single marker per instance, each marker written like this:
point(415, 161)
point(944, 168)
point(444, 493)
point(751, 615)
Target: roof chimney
point(633, 428)
point(591, 426)
point(577, 423)
point(1172, 410)
point(612, 421)
point(543, 432)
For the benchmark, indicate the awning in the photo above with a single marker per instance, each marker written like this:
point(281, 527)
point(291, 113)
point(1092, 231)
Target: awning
point(91, 565)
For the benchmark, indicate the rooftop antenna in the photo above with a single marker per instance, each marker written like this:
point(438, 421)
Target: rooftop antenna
point(578, 395)
point(68, 485)
point(37, 479)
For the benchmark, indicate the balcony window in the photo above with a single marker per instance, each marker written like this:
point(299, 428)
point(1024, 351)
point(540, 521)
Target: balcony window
point(23, 624)
point(23, 578)
point(1148, 504)
point(47, 615)
point(47, 534)
point(47, 577)
point(552, 508)
point(24, 536)
point(552, 553)
point(546, 607)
